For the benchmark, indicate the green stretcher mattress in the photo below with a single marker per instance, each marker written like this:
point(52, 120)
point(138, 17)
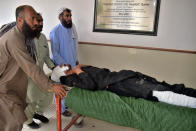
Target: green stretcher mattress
point(130, 112)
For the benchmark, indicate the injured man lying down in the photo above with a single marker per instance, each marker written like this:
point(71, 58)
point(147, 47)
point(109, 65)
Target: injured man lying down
point(125, 83)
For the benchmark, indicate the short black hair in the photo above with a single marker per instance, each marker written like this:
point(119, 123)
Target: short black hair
point(20, 11)
point(39, 14)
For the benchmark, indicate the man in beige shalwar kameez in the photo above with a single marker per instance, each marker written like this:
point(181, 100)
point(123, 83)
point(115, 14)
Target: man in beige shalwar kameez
point(15, 65)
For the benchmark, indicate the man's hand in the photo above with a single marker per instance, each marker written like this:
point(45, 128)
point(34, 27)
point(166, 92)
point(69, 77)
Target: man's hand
point(77, 70)
point(59, 90)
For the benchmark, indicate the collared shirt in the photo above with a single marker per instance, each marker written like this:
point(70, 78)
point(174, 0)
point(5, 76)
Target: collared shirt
point(64, 45)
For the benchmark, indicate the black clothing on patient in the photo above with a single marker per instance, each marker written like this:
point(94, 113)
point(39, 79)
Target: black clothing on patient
point(124, 83)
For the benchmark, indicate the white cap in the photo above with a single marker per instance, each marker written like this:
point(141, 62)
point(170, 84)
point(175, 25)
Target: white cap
point(61, 10)
point(58, 72)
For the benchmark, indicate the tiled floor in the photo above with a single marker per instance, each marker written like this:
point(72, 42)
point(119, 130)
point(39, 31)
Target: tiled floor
point(89, 124)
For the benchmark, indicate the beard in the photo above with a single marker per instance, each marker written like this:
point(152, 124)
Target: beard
point(28, 32)
point(65, 24)
point(39, 29)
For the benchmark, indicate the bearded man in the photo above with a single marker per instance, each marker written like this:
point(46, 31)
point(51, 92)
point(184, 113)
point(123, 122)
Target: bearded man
point(16, 63)
point(38, 100)
point(64, 43)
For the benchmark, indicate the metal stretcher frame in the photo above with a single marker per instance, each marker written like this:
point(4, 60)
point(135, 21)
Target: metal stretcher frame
point(58, 116)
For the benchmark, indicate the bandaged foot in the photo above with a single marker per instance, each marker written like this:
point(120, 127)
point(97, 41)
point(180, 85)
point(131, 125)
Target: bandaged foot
point(175, 99)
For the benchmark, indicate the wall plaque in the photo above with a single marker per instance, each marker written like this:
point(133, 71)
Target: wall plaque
point(126, 16)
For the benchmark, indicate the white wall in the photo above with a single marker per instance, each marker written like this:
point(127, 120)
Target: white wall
point(176, 29)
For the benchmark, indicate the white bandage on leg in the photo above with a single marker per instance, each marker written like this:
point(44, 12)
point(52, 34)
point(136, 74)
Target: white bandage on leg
point(175, 99)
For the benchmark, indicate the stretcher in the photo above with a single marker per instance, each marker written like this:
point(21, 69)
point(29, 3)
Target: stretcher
point(128, 111)
point(58, 115)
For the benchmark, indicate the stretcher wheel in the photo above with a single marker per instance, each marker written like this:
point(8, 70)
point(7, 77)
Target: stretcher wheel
point(79, 123)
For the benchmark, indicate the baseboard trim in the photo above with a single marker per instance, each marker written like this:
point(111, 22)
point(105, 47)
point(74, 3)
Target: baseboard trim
point(139, 47)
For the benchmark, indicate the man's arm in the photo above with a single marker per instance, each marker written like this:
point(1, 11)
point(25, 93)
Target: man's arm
point(47, 60)
point(75, 37)
point(26, 63)
point(79, 79)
